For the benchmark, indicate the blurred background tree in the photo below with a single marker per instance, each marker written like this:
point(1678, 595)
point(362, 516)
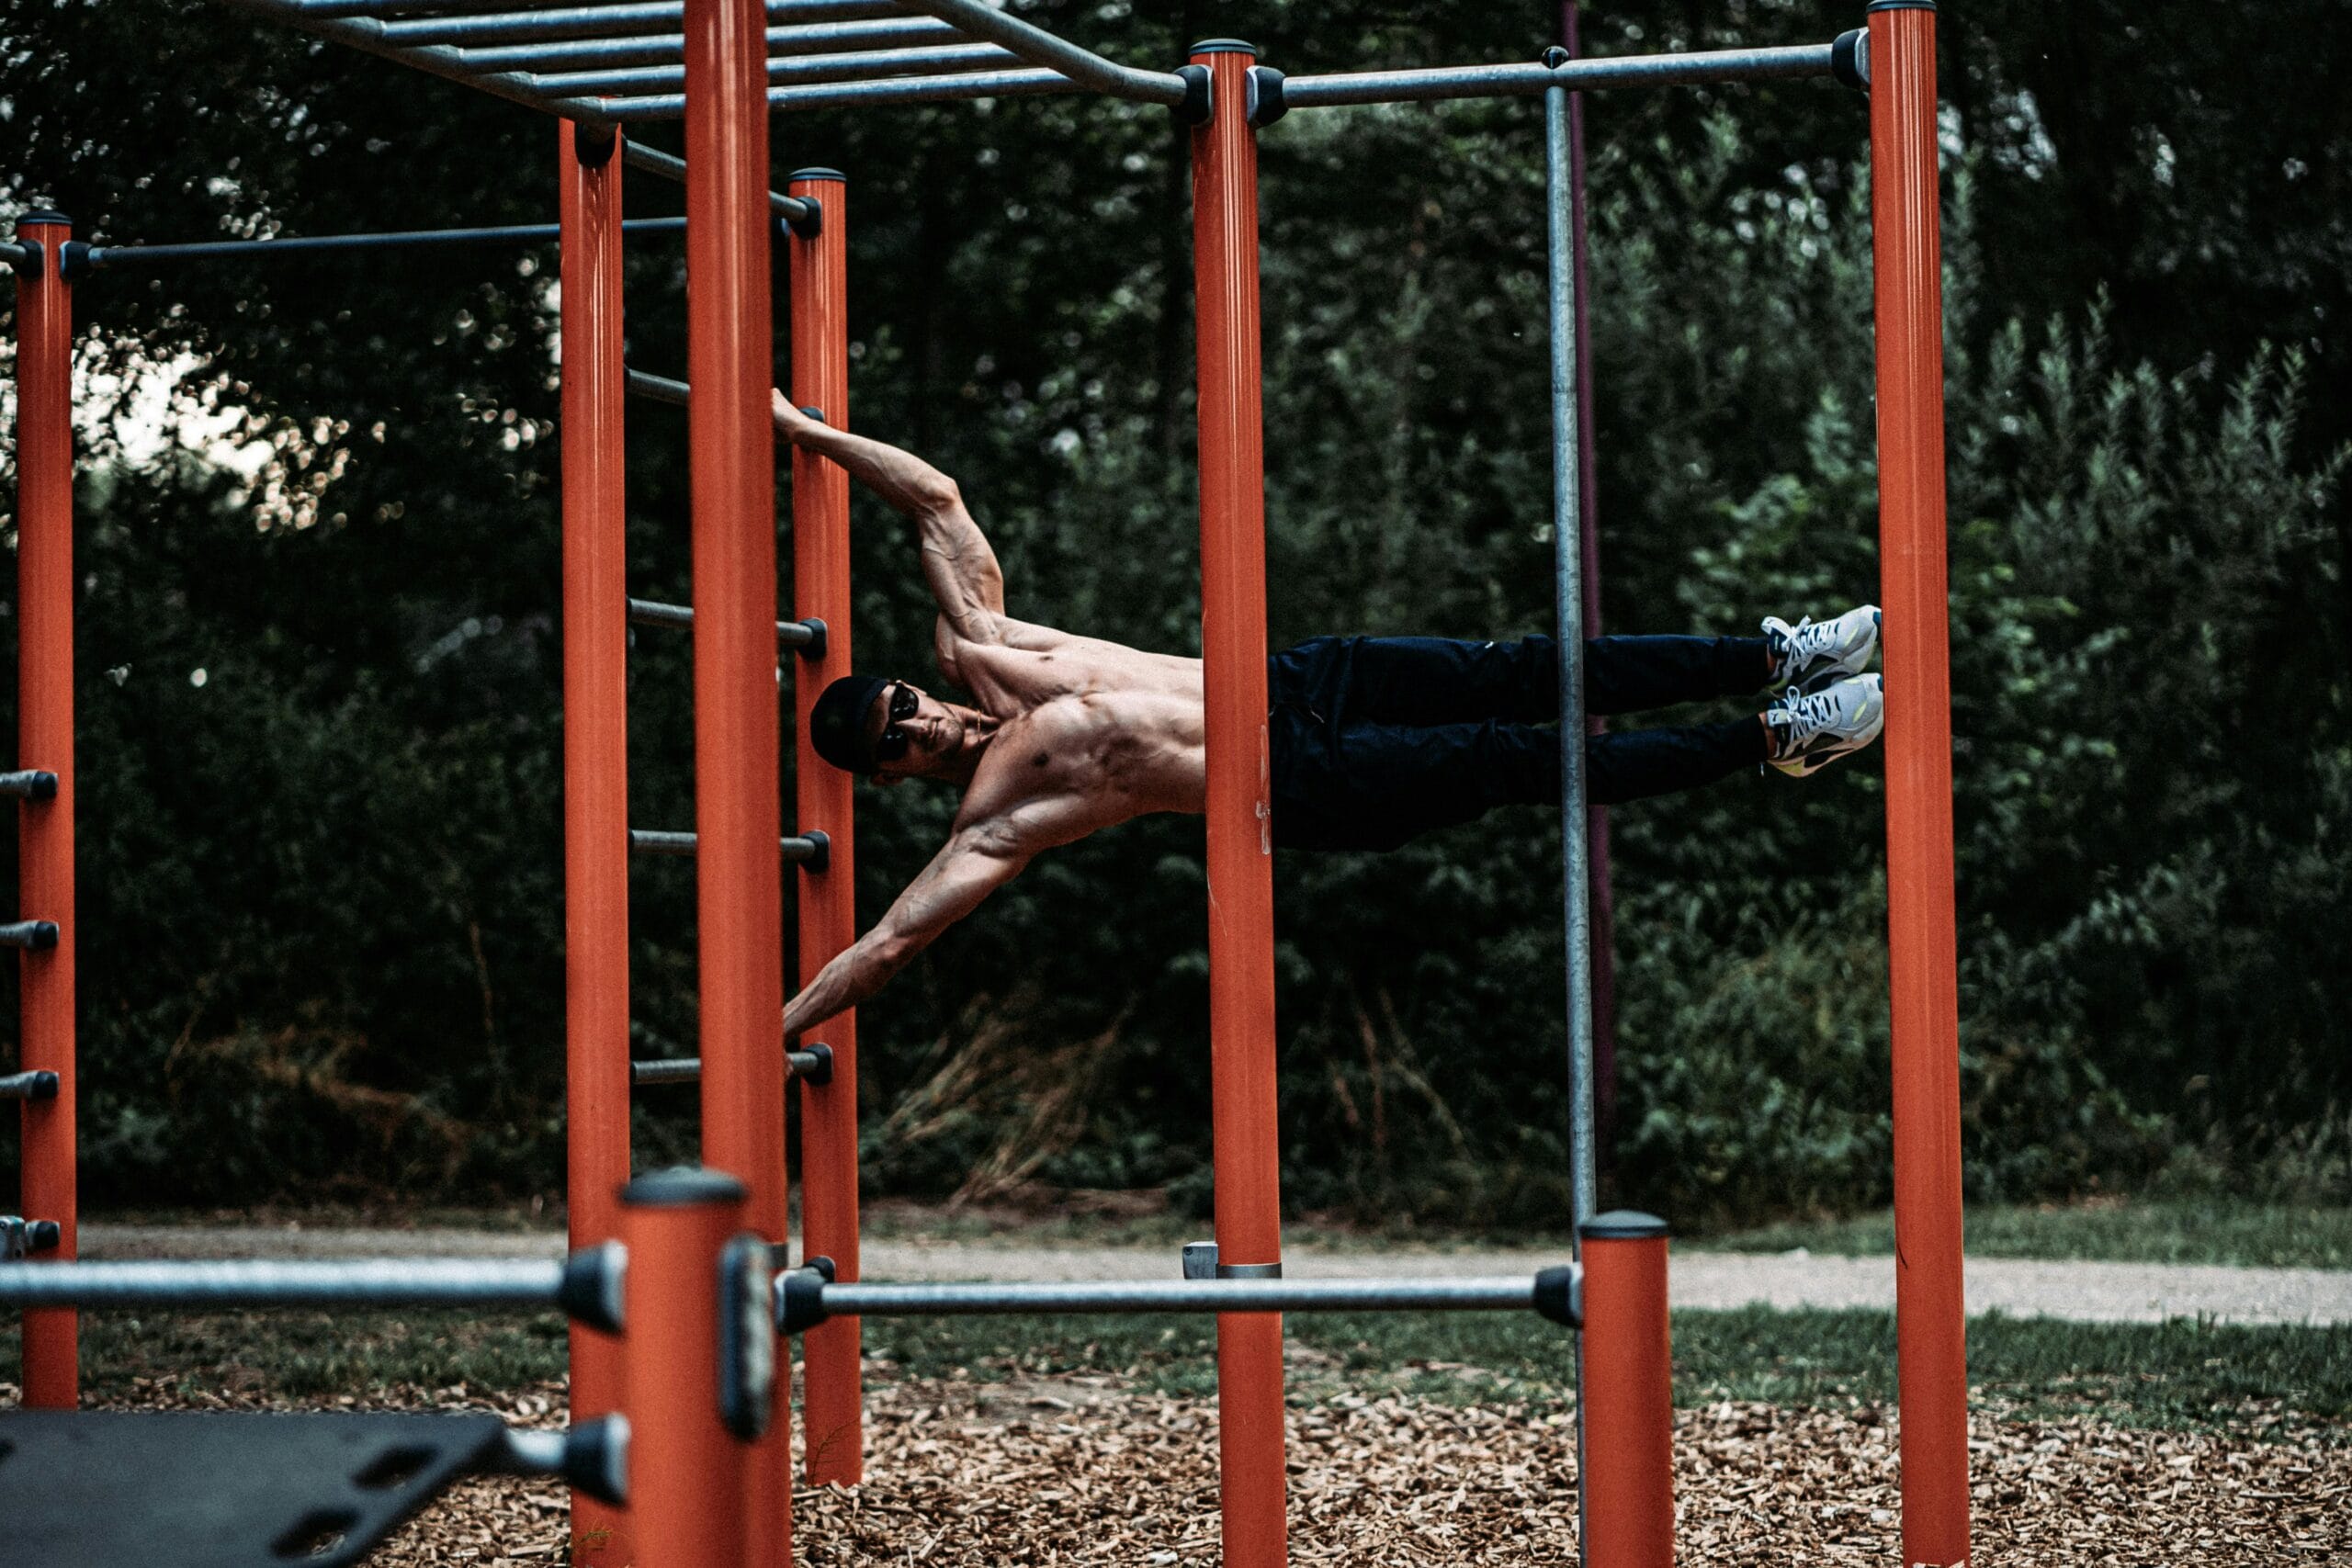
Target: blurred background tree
point(320, 871)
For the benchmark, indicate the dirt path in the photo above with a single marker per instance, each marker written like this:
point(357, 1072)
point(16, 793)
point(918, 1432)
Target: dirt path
point(2084, 1292)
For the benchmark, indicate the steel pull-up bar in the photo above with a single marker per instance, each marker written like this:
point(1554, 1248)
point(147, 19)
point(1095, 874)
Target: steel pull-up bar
point(661, 389)
point(813, 1064)
point(808, 637)
point(102, 258)
point(29, 1086)
point(790, 208)
point(838, 95)
point(669, 48)
point(586, 1285)
point(806, 1296)
point(811, 849)
point(855, 66)
point(604, 21)
point(1528, 80)
point(1039, 47)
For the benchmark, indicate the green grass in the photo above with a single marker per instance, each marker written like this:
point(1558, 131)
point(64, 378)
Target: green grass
point(2182, 1374)
point(2171, 1231)
point(305, 1355)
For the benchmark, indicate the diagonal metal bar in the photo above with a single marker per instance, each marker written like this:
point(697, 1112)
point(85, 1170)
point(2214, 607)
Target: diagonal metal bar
point(604, 21)
point(869, 66)
point(1039, 47)
point(330, 9)
point(836, 95)
point(1526, 81)
point(657, 48)
point(672, 168)
point(368, 35)
point(99, 258)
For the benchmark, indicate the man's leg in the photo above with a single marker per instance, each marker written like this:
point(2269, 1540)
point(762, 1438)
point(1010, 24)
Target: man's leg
point(1434, 680)
point(1376, 786)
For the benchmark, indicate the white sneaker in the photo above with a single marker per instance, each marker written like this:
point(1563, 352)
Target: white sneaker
point(1814, 653)
point(1812, 730)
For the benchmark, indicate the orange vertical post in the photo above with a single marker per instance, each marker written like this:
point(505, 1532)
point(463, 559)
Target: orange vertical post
point(1626, 1493)
point(831, 1425)
point(45, 742)
point(1932, 1324)
point(595, 766)
point(738, 799)
point(1246, 1145)
point(688, 1477)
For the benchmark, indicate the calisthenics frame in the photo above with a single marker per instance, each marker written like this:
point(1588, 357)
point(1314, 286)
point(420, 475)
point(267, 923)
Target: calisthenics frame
point(724, 47)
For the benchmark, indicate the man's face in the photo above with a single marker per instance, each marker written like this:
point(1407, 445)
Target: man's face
point(913, 733)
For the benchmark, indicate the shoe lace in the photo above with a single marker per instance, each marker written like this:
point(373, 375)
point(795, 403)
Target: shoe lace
point(1803, 715)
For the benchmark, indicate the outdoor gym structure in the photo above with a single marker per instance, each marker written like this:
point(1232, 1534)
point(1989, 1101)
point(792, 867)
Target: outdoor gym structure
point(702, 1282)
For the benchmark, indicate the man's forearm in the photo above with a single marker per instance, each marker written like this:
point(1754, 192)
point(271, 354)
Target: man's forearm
point(905, 481)
point(853, 974)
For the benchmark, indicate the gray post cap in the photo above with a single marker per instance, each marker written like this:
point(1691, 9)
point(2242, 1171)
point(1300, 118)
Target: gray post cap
point(1623, 1225)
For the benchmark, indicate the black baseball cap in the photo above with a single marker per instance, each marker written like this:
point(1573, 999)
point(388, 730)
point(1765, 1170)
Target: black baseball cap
point(837, 723)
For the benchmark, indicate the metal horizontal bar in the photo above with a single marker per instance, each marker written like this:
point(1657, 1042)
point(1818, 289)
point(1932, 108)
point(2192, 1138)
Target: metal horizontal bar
point(1509, 1293)
point(37, 1085)
point(653, 612)
point(32, 783)
point(368, 35)
point(671, 168)
point(661, 389)
point(1039, 47)
point(99, 258)
point(389, 1281)
point(669, 48)
point(912, 89)
point(688, 1069)
point(393, 8)
point(1529, 79)
point(651, 841)
point(36, 934)
point(853, 67)
point(15, 254)
point(605, 21)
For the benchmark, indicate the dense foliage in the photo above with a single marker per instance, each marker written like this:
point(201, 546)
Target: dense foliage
point(320, 786)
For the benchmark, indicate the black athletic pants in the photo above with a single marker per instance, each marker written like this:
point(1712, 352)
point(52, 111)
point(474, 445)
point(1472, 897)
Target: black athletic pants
point(1376, 740)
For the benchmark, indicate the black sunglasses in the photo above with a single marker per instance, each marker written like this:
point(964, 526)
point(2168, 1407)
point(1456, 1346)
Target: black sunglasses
point(895, 741)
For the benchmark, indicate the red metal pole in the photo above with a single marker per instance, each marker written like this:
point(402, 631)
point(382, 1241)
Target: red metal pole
point(1931, 1325)
point(832, 1426)
point(1240, 846)
point(739, 803)
point(688, 1480)
point(595, 767)
point(1628, 1484)
point(45, 740)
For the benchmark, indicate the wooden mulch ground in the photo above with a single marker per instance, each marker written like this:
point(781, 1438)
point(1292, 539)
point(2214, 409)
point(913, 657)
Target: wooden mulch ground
point(964, 1476)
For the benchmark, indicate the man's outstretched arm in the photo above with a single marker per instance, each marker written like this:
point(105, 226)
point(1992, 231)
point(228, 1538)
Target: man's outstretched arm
point(971, 866)
point(957, 561)
point(981, 857)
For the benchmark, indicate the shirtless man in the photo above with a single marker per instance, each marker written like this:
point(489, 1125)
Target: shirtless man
point(1374, 740)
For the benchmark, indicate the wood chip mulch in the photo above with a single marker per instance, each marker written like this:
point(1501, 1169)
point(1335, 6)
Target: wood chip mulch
point(963, 1475)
